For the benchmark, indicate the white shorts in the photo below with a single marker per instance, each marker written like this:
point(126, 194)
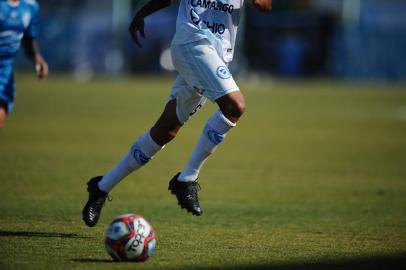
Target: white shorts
point(202, 75)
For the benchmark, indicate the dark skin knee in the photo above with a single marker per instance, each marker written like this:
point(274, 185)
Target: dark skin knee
point(167, 126)
point(232, 106)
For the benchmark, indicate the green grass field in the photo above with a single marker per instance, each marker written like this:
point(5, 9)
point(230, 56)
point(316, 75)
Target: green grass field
point(313, 177)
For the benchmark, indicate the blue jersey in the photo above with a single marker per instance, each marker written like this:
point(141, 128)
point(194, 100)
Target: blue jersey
point(16, 21)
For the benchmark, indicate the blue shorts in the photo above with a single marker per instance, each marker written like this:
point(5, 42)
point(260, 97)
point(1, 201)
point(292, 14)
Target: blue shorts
point(7, 87)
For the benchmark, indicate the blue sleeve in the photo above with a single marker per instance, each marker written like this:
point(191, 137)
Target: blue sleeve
point(32, 29)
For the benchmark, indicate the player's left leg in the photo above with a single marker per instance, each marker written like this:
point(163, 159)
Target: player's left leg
point(141, 152)
point(145, 147)
point(180, 106)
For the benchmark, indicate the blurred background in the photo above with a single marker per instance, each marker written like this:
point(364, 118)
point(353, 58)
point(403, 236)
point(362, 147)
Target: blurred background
point(343, 39)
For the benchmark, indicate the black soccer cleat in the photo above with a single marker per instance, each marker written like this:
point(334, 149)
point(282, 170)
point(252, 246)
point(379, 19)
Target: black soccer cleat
point(97, 198)
point(186, 193)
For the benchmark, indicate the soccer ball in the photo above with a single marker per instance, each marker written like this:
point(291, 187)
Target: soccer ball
point(130, 238)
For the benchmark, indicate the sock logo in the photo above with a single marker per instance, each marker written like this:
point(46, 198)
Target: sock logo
point(223, 72)
point(140, 157)
point(214, 136)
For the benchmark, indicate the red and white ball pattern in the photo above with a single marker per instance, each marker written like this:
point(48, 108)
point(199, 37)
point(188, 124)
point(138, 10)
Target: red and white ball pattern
point(130, 238)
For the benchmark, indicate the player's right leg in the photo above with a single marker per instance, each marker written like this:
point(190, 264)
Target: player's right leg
point(141, 152)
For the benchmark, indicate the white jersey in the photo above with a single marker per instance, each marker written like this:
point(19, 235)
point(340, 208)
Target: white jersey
point(214, 20)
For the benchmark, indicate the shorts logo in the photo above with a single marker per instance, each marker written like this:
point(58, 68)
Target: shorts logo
point(140, 157)
point(223, 72)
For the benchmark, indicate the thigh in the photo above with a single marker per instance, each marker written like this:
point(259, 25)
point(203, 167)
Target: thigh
point(188, 100)
point(203, 70)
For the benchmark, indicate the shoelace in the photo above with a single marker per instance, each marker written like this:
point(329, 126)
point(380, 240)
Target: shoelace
point(198, 186)
point(194, 188)
point(98, 204)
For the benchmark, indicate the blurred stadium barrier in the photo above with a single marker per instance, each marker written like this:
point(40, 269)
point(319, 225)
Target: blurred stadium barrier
point(351, 39)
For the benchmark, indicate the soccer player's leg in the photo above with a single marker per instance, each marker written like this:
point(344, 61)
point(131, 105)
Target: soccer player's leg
point(7, 93)
point(141, 152)
point(145, 147)
point(189, 102)
point(232, 106)
point(206, 72)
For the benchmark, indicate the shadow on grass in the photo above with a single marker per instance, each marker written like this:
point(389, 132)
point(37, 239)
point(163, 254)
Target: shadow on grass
point(104, 261)
point(40, 234)
point(91, 260)
point(362, 263)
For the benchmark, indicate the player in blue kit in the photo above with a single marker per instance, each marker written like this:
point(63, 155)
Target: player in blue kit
point(202, 48)
point(18, 25)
